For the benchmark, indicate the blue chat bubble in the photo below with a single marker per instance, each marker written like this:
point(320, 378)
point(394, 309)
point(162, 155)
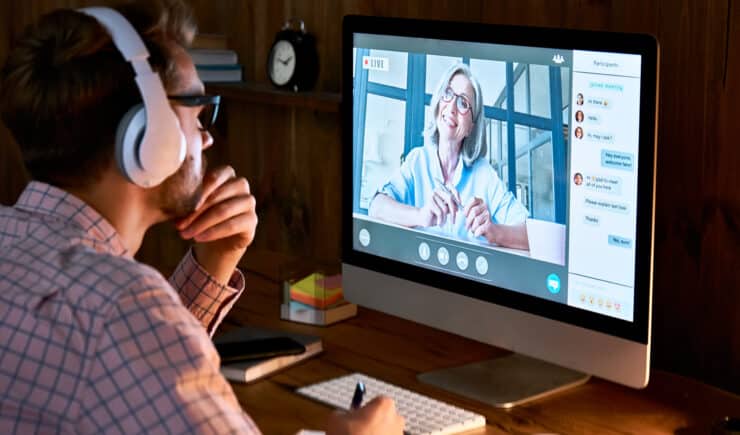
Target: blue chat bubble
point(605, 85)
point(619, 241)
point(617, 160)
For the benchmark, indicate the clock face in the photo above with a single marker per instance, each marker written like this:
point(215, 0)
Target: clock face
point(282, 62)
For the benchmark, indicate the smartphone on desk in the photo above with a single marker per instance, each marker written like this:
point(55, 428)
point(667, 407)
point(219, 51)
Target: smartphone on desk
point(258, 348)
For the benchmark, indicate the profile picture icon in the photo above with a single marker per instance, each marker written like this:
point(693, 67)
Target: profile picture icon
point(579, 99)
point(579, 132)
point(578, 179)
point(579, 116)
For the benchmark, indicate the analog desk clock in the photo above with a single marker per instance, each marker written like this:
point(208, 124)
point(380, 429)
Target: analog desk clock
point(293, 62)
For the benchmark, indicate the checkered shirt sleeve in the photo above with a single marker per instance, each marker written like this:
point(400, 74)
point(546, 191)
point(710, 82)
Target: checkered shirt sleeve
point(208, 300)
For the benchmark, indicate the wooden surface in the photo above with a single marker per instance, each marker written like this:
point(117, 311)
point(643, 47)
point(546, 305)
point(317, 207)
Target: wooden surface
point(291, 155)
point(396, 350)
point(265, 94)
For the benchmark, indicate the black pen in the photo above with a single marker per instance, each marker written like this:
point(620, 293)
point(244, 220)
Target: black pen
point(357, 397)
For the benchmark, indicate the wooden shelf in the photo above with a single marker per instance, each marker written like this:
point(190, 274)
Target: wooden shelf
point(262, 93)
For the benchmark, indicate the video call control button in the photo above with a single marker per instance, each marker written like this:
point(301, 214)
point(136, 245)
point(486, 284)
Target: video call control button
point(364, 237)
point(443, 256)
point(424, 251)
point(553, 283)
point(462, 260)
point(481, 265)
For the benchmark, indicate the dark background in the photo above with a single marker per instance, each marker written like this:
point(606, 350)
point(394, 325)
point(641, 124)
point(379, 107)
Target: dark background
point(291, 153)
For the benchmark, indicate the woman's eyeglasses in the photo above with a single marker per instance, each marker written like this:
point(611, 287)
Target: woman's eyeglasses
point(461, 101)
point(208, 114)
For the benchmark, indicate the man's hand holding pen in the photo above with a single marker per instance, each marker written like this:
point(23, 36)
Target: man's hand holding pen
point(379, 416)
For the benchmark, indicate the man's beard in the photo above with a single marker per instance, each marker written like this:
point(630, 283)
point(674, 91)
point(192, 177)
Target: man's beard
point(180, 193)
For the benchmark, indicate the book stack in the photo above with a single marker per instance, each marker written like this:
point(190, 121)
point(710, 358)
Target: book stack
point(316, 299)
point(214, 61)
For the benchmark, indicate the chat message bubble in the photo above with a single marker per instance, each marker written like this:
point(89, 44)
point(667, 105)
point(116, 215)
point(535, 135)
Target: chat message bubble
point(607, 205)
point(599, 136)
point(619, 241)
point(607, 86)
point(591, 219)
point(617, 160)
point(600, 102)
point(593, 118)
point(604, 184)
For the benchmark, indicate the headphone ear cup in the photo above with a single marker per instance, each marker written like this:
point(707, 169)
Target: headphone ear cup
point(129, 136)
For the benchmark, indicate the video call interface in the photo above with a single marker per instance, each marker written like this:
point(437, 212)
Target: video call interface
point(511, 166)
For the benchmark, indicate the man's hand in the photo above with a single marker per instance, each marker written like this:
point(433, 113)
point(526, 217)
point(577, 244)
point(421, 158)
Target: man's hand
point(223, 224)
point(379, 416)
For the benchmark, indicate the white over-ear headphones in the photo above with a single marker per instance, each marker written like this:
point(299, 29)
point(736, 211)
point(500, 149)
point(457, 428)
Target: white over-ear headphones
point(146, 156)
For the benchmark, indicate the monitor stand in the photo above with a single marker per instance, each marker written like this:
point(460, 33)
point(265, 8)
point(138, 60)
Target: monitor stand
point(507, 381)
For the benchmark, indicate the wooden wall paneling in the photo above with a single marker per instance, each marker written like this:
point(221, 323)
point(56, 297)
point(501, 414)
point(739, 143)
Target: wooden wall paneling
point(295, 178)
point(323, 21)
point(14, 177)
point(720, 256)
point(330, 45)
point(236, 20)
point(11, 166)
point(268, 19)
point(256, 146)
point(686, 336)
point(469, 10)
point(526, 12)
point(319, 151)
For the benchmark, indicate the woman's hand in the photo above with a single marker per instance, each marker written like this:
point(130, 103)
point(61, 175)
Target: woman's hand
point(443, 205)
point(478, 220)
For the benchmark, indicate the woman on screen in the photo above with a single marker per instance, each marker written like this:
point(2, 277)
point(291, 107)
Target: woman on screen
point(447, 185)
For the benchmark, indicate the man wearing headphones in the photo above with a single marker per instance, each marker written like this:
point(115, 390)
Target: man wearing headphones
point(112, 121)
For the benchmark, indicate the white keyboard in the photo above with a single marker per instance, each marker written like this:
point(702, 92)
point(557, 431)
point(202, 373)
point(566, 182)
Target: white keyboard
point(423, 414)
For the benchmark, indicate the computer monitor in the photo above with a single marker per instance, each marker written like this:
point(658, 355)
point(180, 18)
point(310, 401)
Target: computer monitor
point(499, 184)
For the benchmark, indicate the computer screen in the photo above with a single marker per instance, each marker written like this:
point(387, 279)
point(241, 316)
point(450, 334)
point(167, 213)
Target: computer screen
point(511, 166)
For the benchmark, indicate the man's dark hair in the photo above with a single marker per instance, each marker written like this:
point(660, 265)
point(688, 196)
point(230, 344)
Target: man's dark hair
point(65, 86)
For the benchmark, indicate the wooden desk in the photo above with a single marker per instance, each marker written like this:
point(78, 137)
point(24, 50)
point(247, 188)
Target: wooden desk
point(397, 350)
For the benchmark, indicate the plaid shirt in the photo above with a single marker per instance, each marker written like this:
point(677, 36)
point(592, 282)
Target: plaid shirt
point(91, 341)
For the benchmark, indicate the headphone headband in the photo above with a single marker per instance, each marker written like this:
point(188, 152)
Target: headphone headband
point(146, 155)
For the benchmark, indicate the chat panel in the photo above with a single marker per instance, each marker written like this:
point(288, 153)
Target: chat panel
point(604, 162)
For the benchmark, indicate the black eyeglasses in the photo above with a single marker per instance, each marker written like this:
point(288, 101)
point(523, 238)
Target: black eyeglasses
point(461, 101)
point(208, 114)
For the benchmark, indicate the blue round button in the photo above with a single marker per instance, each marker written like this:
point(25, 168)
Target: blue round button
point(553, 283)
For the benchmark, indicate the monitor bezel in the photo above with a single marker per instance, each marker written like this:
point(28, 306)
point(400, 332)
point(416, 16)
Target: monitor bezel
point(571, 39)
